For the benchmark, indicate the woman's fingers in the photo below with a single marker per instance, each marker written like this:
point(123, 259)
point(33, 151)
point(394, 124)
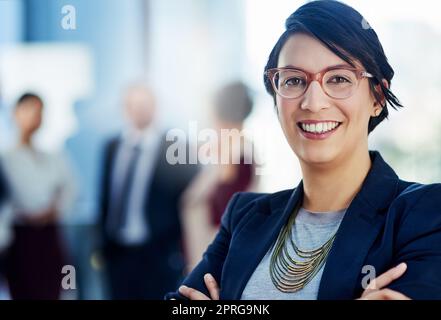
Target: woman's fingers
point(375, 291)
point(212, 286)
point(384, 294)
point(387, 277)
point(192, 294)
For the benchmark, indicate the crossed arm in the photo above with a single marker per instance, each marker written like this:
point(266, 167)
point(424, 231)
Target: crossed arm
point(376, 290)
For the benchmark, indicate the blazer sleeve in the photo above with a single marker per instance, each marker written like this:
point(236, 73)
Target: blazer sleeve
point(214, 257)
point(418, 243)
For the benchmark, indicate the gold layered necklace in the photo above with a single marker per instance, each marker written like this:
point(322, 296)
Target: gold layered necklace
point(289, 274)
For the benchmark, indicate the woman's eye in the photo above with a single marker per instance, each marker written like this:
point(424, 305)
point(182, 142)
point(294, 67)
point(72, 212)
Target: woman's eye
point(293, 82)
point(338, 79)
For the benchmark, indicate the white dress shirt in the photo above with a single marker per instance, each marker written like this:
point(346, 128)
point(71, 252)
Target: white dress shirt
point(136, 228)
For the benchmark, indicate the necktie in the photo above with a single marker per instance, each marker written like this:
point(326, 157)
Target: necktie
point(121, 197)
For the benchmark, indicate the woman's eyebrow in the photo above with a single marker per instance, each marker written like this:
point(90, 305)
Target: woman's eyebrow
point(341, 65)
point(336, 66)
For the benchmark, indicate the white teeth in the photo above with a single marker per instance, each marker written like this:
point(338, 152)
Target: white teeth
point(319, 127)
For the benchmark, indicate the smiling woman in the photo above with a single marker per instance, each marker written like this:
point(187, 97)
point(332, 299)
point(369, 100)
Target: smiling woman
point(330, 80)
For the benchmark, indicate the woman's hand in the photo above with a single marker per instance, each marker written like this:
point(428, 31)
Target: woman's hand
point(194, 294)
point(375, 291)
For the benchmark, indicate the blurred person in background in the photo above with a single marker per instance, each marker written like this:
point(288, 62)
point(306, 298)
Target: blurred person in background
point(41, 188)
point(207, 197)
point(140, 214)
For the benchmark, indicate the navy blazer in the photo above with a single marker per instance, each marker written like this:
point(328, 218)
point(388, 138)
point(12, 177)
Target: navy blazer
point(389, 221)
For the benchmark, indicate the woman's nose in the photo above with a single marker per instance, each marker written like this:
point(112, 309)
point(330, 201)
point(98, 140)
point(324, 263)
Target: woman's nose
point(314, 99)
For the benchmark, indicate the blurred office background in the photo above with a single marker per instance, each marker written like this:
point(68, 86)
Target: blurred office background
point(186, 50)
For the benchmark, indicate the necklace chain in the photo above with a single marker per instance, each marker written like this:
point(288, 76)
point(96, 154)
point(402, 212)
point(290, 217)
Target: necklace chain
point(289, 274)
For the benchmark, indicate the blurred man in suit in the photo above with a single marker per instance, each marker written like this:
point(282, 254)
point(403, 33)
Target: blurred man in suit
point(140, 193)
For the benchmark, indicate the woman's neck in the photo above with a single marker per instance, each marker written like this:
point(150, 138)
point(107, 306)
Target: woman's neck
point(333, 187)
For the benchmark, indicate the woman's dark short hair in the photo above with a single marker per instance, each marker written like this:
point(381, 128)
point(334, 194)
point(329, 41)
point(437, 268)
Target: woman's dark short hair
point(233, 102)
point(344, 31)
point(26, 97)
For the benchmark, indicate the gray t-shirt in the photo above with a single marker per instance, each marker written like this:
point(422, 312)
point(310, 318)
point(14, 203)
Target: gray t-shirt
point(310, 231)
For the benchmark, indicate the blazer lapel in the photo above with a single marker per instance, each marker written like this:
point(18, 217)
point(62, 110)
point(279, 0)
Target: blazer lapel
point(253, 241)
point(355, 236)
point(358, 230)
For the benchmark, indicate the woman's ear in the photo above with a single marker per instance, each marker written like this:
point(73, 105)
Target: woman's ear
point(380, 92)
point(378, 107)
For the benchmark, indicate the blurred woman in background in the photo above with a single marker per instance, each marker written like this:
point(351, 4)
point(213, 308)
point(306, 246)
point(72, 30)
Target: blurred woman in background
point(231, 170)
point(41, 188)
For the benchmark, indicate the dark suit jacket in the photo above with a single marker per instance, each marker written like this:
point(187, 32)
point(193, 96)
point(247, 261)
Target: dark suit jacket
point(161, 205)
point(388, 222)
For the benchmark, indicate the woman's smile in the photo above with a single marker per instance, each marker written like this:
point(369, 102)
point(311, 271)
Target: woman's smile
point(318, 129)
